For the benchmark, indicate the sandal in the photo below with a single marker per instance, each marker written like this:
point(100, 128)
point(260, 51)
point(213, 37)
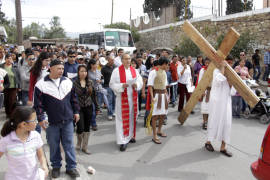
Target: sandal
point(226, 153)
point(161, 135)
point(204, 126)
point(209, 147)
point(157, 141)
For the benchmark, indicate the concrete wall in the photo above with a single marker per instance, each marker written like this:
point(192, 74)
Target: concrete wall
point(258, 22)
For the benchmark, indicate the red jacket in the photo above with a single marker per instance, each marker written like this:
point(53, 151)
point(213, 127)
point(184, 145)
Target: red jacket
point(33, 81)
point(173, 69)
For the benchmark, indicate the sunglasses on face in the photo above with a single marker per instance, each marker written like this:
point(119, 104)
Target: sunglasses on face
point(31, 59)
point(72, 56)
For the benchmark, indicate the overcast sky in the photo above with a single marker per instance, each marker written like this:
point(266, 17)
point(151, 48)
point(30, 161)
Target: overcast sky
point(88, 15)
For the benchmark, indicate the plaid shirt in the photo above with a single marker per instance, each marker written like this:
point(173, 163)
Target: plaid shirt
point(267, 58)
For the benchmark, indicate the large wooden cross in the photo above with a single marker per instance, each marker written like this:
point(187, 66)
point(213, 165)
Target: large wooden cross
point(216, 58)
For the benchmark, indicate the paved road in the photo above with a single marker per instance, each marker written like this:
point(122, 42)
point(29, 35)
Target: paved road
point(180, 156)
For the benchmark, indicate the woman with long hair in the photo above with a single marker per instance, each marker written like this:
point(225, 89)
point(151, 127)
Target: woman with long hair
point(87, 97)
point(10, 93)
point(95, 75)
point(37, 72)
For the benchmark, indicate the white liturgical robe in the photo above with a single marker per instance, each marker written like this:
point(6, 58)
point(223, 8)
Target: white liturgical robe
point(118, 89)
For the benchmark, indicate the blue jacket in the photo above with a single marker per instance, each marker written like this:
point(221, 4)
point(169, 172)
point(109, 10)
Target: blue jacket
point(60, 103)
point(70, 70)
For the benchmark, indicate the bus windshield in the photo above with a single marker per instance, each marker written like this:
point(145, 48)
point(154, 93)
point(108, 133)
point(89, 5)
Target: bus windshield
point(118, 39)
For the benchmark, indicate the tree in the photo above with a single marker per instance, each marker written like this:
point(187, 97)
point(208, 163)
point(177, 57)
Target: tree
point(157, 5)
point(35, 29)
point(244, 43)
point(187, 48)
point(56, 30)
point(11, 27)
point(122, 25)
point(235, 6)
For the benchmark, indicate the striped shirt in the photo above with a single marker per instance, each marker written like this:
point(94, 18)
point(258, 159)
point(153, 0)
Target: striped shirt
point(21, 156)
point(267, 58)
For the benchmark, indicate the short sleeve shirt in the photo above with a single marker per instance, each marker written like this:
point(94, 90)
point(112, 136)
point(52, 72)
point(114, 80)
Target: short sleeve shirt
point(21, 156)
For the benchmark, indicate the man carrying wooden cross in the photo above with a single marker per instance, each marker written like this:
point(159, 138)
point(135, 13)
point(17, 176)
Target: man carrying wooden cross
point(220, 110)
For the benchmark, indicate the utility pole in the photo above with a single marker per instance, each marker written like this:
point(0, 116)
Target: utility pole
point(19, 22)
point(112, 13)
point(218, 7)
point(221, 9)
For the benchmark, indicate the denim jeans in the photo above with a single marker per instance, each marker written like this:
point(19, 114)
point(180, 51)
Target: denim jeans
point(102, 98)
point(174, 93)
point(111, 101)
point(94, 115)
point(61, 133)
point(244, 105)
point(24, 97)
point(257, 72)
point(236, 105)
point(1, 100)
point(266, 72)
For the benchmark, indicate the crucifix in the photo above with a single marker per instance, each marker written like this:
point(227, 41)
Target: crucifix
point(216, 58)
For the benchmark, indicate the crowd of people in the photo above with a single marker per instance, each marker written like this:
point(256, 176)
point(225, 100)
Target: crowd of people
point(63, 87)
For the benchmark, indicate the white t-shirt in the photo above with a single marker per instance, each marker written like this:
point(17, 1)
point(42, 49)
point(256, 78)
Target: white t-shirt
point(118, 61)
point(57, 82)
point(186, 77)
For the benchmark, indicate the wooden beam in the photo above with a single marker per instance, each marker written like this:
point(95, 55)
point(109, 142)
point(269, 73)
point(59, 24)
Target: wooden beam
point(227, 44)
point(216, 57)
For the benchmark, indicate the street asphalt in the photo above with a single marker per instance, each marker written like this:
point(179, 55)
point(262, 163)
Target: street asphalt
point(180, 156)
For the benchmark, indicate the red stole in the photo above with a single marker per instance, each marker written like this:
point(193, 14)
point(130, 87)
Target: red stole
point(205, 68)
point(124, 102)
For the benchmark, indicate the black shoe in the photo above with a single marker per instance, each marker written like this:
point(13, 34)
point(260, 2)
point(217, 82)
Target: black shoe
point(123, 147)
point(94, 128)
point(192, 112)
point(73, 173)
point(55, 172)
point(133, 140)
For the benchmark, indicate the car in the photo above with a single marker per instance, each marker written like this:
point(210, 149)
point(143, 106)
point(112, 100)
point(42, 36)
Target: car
point(261, 168)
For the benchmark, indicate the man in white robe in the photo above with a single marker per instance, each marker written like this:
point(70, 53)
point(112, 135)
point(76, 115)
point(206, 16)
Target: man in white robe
point(133, 83)
point(220, 111)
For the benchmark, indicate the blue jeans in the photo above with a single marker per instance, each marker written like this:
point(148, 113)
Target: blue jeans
point(257, 72)
point(24, 97)
point(266, 72)
point(244, 105)
point(111, 101)
point(236, 105)
point(61, 133)
point(102, 98)
point(174, 93)
point(94, 115)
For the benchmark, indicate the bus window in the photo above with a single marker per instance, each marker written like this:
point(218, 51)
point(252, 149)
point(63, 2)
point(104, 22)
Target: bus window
point(112, 38)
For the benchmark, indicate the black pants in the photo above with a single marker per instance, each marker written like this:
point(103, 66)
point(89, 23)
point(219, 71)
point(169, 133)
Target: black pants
point(83, 124)
point(10, 100)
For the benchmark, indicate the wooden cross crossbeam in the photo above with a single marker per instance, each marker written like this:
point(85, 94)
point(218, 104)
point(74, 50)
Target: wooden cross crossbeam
point(216, 58)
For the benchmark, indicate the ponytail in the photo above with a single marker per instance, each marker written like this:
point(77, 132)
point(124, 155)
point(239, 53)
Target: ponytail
point(8, 128)
point(20, 114)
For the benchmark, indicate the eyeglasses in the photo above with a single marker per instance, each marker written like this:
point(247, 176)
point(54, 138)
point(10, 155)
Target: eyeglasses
point(72, 56)
point(32, 59)
point(34, 121)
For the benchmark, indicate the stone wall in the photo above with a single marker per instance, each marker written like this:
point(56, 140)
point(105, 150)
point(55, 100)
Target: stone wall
point(258, 22)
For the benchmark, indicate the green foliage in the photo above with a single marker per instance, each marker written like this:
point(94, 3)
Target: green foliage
point(11, 30)
point(35, 29)
point(157, 5)
point(187, 48)
point(235, 6)
point(122, 25)
point(243, 44)
point(56, 30)
point(118, 25)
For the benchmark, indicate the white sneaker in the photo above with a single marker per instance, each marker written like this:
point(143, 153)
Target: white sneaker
point(113, 114)
point(110, 118)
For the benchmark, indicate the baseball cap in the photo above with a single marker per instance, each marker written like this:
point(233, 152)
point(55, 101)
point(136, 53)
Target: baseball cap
point(56, 62)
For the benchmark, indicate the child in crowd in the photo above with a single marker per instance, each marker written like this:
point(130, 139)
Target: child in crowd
point(22, 145)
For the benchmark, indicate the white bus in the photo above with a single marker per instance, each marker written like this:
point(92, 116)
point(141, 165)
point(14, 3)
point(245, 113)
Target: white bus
point(108, 39)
